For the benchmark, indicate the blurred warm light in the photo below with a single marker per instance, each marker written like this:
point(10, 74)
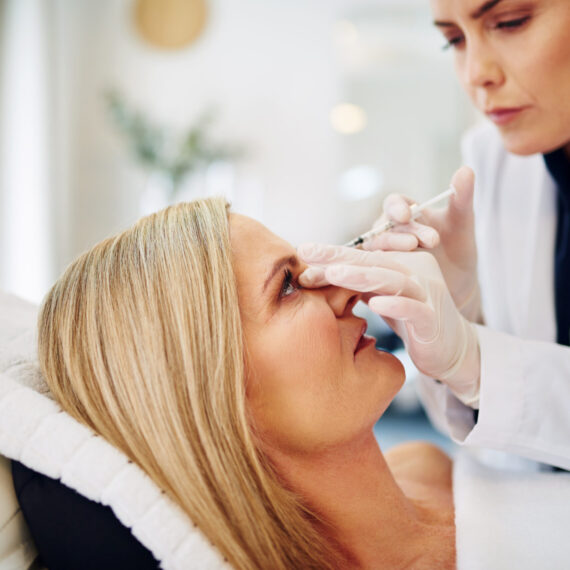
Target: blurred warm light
point(170, 24)
point(347, 118)
point(360, 182)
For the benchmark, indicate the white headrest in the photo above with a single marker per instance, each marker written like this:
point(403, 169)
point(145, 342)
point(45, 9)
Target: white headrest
point(35, 431)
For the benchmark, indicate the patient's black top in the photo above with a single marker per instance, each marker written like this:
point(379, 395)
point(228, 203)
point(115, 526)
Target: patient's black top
point(72, 532)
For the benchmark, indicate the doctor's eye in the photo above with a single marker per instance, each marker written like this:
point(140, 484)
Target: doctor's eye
point(512, 23)
point(289, 285)
point(453, 41)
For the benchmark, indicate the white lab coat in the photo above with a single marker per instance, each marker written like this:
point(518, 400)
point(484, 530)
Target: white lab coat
point(524, 405)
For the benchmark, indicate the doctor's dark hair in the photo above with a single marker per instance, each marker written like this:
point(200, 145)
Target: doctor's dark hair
point(141, 340)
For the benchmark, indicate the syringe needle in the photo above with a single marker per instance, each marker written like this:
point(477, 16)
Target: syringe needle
point(416, 211)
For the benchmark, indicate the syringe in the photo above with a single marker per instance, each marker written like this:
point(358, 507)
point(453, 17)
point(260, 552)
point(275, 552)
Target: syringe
point(416, 211)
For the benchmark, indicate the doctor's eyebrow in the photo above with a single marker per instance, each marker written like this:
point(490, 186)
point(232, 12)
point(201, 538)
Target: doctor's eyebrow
point(474, 15)
point(278, 265)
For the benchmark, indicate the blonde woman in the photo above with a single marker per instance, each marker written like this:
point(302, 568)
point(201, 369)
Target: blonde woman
point(187, 343)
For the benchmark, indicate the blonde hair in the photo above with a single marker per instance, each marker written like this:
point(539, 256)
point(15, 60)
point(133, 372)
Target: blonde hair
point(141, 339)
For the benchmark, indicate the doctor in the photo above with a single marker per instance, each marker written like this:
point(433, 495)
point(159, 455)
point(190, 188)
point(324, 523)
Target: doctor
point(501, 348)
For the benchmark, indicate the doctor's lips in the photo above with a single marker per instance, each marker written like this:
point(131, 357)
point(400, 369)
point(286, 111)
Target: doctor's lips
point(504, 115)
point(363, 341)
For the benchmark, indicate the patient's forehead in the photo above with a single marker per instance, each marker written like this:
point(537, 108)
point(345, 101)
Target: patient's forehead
point(246, 228)
point(251, 238)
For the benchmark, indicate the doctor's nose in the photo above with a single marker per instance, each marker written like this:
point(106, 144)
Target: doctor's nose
point(480, 67)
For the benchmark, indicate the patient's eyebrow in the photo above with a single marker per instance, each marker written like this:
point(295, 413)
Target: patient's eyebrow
point(474, 15)
point(278, 265)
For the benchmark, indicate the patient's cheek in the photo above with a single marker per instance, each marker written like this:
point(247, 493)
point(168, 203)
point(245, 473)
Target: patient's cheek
point(294, 377)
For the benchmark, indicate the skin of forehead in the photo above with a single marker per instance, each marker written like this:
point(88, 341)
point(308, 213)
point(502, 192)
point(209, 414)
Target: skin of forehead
point(254, 254)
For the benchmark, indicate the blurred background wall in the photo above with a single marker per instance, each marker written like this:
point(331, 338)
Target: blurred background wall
point(332, 104)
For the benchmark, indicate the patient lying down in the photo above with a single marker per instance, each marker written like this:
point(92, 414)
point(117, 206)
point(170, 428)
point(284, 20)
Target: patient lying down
point(188, 344)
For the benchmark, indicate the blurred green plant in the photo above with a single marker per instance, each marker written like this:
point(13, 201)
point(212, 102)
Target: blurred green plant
point(173, 155)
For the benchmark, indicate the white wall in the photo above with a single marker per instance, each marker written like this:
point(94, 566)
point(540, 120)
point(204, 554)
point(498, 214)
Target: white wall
point(269, 67)
point(25, 161)
point(274, 68)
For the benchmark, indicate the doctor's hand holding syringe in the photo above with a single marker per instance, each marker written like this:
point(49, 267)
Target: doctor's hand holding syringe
point(421, 276)
point(428, 299)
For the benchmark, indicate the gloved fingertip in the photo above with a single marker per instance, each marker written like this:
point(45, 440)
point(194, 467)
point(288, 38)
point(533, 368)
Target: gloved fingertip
point(463, 181)
point(381, 305)
point(399, 212)
point(376, 303)
point(312, 277)
point(373, 304)
point(408, 242)
point(429, 237)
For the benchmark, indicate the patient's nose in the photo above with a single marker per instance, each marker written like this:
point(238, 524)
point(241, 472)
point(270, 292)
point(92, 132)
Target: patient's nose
point(341, 300)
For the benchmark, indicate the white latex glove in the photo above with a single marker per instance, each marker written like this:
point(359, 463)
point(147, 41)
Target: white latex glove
point(450, 235)
point(408, 290)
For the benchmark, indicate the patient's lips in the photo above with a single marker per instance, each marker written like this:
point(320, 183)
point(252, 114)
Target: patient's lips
point(362, 340)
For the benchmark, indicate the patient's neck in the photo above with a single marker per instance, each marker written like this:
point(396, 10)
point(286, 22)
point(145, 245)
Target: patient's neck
point(352, 488)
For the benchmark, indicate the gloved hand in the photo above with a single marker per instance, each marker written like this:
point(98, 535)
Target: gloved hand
point(408, 290)
point(448, 233)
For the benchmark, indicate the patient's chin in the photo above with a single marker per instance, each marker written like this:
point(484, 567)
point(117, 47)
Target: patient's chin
point(389, 378)
point(390, 367)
